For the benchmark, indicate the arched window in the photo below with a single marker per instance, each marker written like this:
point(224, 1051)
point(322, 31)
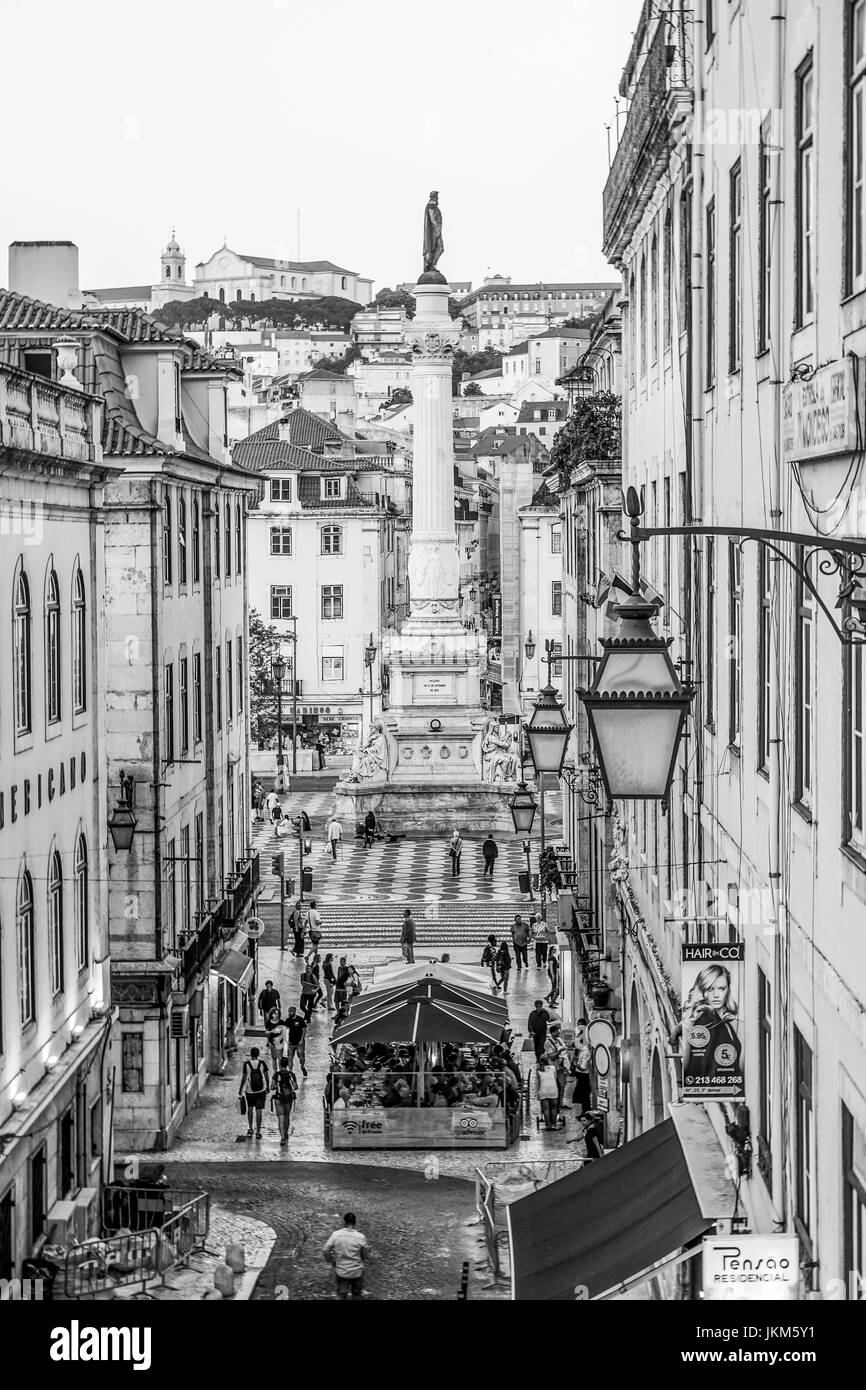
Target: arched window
point(238, 296)
point(178, 272)
point(55, 923)
point(282, 282)
point(181, 539)
point(168, 272)
point(21, 656)
point(294, 282)
point(52, 649)
point(79, 643)
point(26, 949)
point(82, 926)
point(252, 299)
point(343, 283)
point(166, 538)
point(654, 299)
point(643, 313)
point(222, 294)
point(228, 540)
point(668, 287)
point(239, 541)
point(332, 540)
point(196, 542)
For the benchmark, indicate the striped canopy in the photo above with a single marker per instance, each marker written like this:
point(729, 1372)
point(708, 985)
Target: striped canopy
point(418, 1016)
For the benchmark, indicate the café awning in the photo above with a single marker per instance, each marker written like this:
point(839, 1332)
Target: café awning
point(236, 968)
point(439, 990)
point(420, 1018)
point(605, 1223)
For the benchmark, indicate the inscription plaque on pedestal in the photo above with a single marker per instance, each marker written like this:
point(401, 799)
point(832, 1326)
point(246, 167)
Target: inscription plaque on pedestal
point(433, 689)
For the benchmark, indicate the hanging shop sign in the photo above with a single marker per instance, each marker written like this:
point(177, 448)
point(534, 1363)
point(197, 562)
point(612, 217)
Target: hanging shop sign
point(712, 991)
point(751, 1268)
point(820, 415)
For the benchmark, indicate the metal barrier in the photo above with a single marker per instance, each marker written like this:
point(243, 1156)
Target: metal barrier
point(135, 1257)
point(139, 1208)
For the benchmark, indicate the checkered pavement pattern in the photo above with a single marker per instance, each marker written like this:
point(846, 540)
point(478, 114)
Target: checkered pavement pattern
point(413, 869)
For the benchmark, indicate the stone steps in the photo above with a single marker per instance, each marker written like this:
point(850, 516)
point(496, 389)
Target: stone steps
point(372, 924)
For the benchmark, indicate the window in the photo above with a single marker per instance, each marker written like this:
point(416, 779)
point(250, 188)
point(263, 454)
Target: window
point(332, 601)
point(332, 488)
point(632, 320)
point(765, 659)
point(52, 650)
point(668, 289)
point(643, 314)
point(281, 489)
point(556, 540)
point(654, 298)
point(26, 950)
point(186, 881)
point(81, 904)
point(183, 680)
point(166, 539)
point(228, 540)
point(711, 294)
point(218, 684)
point(239, 540)
point(556, 666)
point(857, 145)
point(201, 886)
point(332, 663)
point(710, 645)
point(196, 542)
point(735, 642)
point(132, 1061)
point(181, 539)
point(169, 712)
point(281, 601)
point(556, 598)
point(685, 258)
point(805, 194)
point(38, 1170)
point(765, 282)
point(709, 20)
point(765, 1076)
point(230, 689)
point(854, 1213)
point(21, 647)
point(803, 1131)
point(240, 649)
point(196, 697)
point(55, 923)
point(735, 283)
point(217, 553)
point(79, 643)
point(281, 540)
point(804, 658)
point(332, 540)
point(855, 749)
point(169, 904)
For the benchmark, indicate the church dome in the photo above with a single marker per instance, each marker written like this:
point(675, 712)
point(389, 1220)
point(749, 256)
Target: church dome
point(172, 246)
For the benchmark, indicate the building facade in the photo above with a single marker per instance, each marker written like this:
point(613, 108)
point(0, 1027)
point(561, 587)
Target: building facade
point(502, 313)
point(228, 275)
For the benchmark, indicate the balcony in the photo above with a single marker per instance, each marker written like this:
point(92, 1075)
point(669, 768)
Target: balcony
point(197, 947)
point(661, 100)
point(41, 417)
point(239, 889)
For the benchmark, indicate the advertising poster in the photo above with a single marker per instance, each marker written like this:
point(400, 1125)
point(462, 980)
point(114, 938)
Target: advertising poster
point(712, 1043)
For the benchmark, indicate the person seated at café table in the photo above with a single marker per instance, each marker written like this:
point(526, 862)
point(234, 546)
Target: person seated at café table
point(342, 1101)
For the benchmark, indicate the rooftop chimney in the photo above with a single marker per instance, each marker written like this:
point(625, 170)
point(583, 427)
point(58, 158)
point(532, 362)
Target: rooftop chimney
point(46, 270)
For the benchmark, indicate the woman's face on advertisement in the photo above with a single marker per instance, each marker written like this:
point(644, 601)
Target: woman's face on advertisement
point(716, 993)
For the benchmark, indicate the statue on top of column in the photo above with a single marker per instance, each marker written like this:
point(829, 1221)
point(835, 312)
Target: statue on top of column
point(433, 246)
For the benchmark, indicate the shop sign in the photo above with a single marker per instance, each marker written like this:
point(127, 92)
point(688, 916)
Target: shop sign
point(712, 992)
point(466, 1124)
point(362, 1125)
point(820, 415)
point(751, 1268)
point(602, 1095)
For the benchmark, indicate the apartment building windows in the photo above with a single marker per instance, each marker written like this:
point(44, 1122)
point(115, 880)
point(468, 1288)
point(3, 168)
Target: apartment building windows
point(685, 242)
point(556, 598)
point(765, 659)
point(196, 542)
point(183, 682)
point(735, 284)
point(196, 697)
point(710, 644)
point(711, 294)
point(332, 601)
point(556, 540)
point(857, 146)
point(230, 689)
point(217, 552)
point(854, 817)
point(804, 249)
point(281, 540)
point(169, 712)
point(668, 264)
point(218, 684)
point(643, 313)
point(332, 663)
point(854, 1211)
point(804, 659)
point(654, 298)
point(802, 1131)
point(166, 538)
point(181, 539)
point(765, 280)
point(735, 643)
point(281, 601)
point(332, 540)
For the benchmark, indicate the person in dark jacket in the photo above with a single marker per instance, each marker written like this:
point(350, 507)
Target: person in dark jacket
point(503, 964)
point(369, 829)
point(536, 1026)
point(490, 850)
point(407, 938)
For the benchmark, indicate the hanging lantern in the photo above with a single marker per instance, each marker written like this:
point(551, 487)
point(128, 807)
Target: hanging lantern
point(548, 732)
point(522, 806)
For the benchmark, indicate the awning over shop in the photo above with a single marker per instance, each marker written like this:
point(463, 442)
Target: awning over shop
point(607, 1222)
point(235, 967)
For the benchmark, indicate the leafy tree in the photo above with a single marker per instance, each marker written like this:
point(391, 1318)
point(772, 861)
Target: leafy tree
point(592, 431)
point(339, 364)
point(576, 322)
point(396, 299)
point(189, 313)
point(472, 362)
point(264, 642)
point(472, 389)
point(402, 396)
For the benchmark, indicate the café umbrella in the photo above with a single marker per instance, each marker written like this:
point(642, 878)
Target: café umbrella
point(419, 1018)
point(428, 992)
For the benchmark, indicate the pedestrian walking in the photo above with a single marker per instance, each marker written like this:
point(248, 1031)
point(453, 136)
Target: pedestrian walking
point(519, 940)
point(346, 1249)
point(503, 964)
point(490, 850)
point(296, 1039)
point(488, 959)
point(556, 1053)
point(258, 802)
point(334, 836)
point(298, 922)
point(553, 975)
point(455, 849)
point(272, 805)
point(320, 749)
point(582, 1093)
point(314, 925)
point(268, 999)
point(593, 1136)
point(536, 1026)
point(547, 1092)
point(309, 990)
point(407, 938)
point(284, 1088)
point(329, 979)
point(538, 932)
point(341, 989)
point(274, 1036)
point(314, 962)
point(369, 829)
point(252, 1091)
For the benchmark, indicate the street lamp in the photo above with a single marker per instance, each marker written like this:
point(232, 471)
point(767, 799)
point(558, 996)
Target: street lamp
point(529, 646)
point(122, 822)
point(278, 671)
point(548, 732)
point(522, 806)
point(369, 658)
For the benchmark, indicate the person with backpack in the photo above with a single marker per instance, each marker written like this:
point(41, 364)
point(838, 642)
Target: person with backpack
point(284, 1088)
point(253, 1089)
point(503, 964)
point(407, 938)
point(489, 959)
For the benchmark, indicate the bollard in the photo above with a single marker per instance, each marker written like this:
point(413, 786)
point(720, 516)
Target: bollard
point(236, 1258)
point(224, 1281)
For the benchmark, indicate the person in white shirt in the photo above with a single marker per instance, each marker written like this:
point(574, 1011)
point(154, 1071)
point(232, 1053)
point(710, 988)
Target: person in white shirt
point(538, 931)
point(346, 1249)
point(334, 835)
point(271, 802)
point(547, 1091)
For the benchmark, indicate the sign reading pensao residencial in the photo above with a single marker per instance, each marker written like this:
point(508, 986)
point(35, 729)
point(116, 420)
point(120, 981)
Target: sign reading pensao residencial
point(820, 415)
point(751, 1268)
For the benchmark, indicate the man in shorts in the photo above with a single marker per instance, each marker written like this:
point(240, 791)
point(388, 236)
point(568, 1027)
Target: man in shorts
point(346, 1249)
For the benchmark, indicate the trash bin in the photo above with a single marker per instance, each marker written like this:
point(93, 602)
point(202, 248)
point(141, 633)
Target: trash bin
point(523, 882)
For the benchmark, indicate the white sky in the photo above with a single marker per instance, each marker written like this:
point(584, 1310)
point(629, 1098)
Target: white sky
point(223, 118)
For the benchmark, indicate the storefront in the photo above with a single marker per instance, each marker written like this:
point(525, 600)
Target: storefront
point(338, 727)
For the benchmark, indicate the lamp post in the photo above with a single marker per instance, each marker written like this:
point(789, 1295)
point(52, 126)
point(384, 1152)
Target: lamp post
point(548, 732)
point(522, 807)
point(369, 658)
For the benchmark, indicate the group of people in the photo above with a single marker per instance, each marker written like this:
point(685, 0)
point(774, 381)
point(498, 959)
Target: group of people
point(387, 1074)
point(498, 960)
point(556, 1063)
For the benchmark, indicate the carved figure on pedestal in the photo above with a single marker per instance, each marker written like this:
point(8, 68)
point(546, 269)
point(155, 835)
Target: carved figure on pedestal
point(499, 758)
point(433, 246)
point(371, 763)
point(434, 571)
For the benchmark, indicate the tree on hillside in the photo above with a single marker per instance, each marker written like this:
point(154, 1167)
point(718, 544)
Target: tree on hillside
point(473, 362)
point(402, 396)
point(396, 299)
point(188, 313)
point(472, 389)
point(592, 431)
